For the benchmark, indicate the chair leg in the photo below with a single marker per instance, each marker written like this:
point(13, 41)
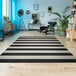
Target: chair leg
point(46, 31)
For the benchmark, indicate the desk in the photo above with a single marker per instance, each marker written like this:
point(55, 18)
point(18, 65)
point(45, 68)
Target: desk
point(29, 24)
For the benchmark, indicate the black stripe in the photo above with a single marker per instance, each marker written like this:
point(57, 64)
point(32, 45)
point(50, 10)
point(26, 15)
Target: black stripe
point(37, 38)
point(37, 49)
point(38, 60)
point(38, 54)
point(37, 45)
point(38, 42)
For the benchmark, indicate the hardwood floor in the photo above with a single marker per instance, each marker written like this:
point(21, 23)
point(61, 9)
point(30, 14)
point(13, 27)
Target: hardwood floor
point(37, 69)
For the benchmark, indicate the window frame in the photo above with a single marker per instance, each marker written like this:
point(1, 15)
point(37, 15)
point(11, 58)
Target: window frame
point(6, 7)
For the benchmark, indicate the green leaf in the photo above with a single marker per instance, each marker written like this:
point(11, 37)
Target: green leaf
point(57, 19)
point(56, 13)
point(67, 16)
point(66, 10)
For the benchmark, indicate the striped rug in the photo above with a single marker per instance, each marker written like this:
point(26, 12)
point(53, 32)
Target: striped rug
point(37, 49)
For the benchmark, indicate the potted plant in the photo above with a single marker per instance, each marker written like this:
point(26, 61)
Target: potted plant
point(63, 20)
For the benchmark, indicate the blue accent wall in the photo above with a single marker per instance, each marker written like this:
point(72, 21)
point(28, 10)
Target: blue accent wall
point(1, 33)
point(57, 5)
point(0, 14)
point(13, 13)
point(10, 10)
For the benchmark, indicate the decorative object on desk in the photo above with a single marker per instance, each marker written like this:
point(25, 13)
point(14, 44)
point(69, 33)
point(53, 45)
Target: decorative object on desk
point(63, 20)
point(49, 9)
point(27, 12)
point(36, 6)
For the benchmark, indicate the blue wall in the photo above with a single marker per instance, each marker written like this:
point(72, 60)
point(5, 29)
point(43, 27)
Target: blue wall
point(1, 34)
point(0, 14)
point(57, 5)
point(12, 12)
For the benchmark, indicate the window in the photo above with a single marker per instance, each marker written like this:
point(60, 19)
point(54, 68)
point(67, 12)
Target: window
point(5, 5)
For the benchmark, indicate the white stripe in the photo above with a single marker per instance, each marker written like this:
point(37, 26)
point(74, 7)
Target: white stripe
point(36, 51)
point(36, 57)
point(36, 44)
point(38, 47)
point(37, 37)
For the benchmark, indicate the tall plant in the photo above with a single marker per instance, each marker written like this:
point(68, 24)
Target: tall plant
point(62, 19)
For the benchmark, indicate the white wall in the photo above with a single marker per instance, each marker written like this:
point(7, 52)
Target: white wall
point(57, 5)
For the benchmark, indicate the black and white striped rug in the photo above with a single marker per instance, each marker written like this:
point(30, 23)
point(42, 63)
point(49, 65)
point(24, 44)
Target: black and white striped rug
point(37, 49)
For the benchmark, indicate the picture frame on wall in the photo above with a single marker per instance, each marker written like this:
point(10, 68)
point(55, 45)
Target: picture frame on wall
point(49, 9)
point(36, 6)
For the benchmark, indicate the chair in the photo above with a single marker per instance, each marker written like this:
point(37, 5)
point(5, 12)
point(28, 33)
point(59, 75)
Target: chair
point(49, 28)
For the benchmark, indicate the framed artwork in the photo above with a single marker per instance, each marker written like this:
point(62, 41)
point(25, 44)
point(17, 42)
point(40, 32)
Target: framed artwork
point(27, 12)
point(36, 6)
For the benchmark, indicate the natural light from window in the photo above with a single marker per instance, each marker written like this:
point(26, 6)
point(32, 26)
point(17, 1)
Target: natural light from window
point(5, 7)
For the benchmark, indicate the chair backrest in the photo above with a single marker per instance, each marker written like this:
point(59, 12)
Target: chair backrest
point(52, 24)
